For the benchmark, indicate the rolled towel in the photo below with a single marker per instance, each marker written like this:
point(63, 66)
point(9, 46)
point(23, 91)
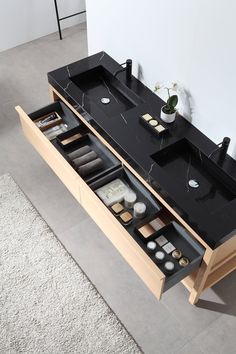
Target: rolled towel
point(90, 156)
point(79, 152)
point(90, 167)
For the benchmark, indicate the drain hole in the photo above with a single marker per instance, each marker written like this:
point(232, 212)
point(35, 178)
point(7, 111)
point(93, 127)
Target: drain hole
point(193, 183)
point(105, 100)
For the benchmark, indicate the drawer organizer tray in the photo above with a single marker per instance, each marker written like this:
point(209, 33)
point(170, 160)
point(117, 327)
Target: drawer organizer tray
point(181, 240)
point(61, 109)
point(143, 195)
point(110, 162)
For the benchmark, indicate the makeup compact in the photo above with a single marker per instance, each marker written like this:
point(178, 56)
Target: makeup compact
point(117, 208)
point(151, 246)
point(169, 267)
point(126, 217)
point(146, 230)
point(161, 240)
point(159, 256)
point(157, 224)
point(168, 247)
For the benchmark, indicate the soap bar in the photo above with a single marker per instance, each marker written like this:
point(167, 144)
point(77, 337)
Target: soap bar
point(147, 117)
point(153, 122)
point(160, 128)
point(112, 192)
point(90, 167)
point(79, 152)
point(90, 156)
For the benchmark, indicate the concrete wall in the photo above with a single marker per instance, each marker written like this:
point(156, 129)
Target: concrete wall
point(191, 42)
point(24, 20)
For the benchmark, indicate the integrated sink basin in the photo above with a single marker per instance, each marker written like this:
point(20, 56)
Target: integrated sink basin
point(197, 175)
point(106, 91)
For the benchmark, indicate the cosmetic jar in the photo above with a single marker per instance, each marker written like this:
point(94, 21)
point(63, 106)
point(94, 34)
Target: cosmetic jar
point(176, 254)
point(184, 261)
point(129, 199)
point(139, 210)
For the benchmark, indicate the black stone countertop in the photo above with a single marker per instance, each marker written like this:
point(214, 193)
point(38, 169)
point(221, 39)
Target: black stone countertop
point(136, 144)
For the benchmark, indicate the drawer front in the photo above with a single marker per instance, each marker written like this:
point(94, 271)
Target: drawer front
point(50, 154)
point(121, 239)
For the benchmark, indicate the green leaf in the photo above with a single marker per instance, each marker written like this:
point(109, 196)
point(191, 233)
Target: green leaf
point(172, 101)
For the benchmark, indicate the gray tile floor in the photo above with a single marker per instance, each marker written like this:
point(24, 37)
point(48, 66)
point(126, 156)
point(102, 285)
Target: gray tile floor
point(169, 326)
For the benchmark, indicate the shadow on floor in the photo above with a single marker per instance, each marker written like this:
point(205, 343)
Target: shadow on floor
point(225, 290)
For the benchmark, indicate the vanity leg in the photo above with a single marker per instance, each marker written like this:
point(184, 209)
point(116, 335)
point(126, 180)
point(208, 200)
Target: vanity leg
point(52, 94)
point(202, 276)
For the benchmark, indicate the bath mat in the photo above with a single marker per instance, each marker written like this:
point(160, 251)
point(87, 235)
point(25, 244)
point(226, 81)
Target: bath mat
point(47, 304)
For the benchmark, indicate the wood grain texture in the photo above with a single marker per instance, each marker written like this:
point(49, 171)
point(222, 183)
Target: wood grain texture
point(130, 250)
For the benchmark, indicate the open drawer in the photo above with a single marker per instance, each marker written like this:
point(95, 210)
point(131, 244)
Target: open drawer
point(123, 236)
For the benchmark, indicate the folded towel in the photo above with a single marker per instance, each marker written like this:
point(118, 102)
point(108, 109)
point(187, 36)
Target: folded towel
point(79, 152)
point(90, 167)
point(90, 156)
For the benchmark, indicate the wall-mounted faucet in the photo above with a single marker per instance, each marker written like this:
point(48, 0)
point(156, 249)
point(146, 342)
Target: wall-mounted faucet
point(222, 147)
point(127, 68)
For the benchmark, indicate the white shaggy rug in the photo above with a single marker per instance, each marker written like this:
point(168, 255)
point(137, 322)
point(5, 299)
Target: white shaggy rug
point(47, 304)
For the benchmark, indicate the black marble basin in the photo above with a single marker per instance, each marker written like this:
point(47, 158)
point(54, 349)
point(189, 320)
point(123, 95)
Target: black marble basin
point(197, 175)
point(98, 83)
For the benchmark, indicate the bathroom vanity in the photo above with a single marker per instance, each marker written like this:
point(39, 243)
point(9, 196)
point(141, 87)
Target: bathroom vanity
point(177, 173)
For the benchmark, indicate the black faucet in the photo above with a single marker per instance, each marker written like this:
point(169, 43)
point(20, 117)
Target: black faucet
point(127, 68)
point(223, 148)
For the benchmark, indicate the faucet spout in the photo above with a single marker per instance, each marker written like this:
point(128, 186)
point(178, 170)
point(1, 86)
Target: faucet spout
point(127, 68)
point(222, 148)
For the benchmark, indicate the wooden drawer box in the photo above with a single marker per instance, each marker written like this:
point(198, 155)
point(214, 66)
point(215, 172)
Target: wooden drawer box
point(132, 248)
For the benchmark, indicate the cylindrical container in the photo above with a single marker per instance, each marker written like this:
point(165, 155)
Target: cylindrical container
point(167, 118)
point(79, 152)
point(139, 210)
point(151, 246)
point(176, 254)
point(129, 199)
point(184, 261)
point(169, 267)
point(90, 167)
point(159, 256)
point(90, 156)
